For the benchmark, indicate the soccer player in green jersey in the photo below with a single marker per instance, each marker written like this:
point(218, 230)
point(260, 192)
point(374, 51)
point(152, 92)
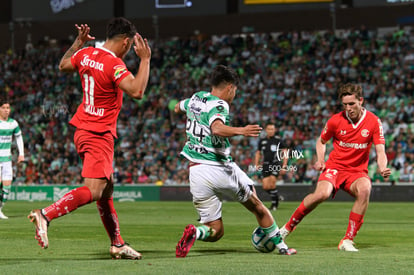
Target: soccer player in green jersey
point(212, 171)
point(8, 128)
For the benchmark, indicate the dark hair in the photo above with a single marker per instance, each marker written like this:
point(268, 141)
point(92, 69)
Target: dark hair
point(4, 99)
point(120, 26)
point(350, 89)
point(223, 75)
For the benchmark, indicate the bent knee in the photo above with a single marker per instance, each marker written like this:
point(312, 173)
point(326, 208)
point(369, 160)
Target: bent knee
point(321, 196)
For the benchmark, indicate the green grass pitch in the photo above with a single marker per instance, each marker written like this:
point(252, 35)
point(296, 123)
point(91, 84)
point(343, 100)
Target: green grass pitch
point(78, 243)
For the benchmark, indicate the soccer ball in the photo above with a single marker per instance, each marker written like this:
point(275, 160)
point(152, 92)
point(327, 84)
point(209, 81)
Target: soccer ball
point(261, 241)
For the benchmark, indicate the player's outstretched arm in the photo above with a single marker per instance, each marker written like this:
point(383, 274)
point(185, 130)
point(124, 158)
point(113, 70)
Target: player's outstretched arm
point(218, 128)
point(135, 86)
point(382, 161)
point(83, 36)
point(177, 109)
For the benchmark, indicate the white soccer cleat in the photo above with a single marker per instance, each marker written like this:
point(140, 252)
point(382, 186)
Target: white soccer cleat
point(40, 223)
point(124, 252)
point(2, 216)
point(347, 245)
point(284, 232)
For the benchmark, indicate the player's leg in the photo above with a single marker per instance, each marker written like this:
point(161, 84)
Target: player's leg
point(267, 223)
point(5, 191)
point(269, 185)
point(241, 187)
point(6, 181)
point(322, 192)
point(361, 190)
point(69, 202)
point(208, 205)
point(119, 248)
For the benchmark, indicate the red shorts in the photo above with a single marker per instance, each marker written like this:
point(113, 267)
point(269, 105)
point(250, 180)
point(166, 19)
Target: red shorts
point(97, 153)
point(341, 179)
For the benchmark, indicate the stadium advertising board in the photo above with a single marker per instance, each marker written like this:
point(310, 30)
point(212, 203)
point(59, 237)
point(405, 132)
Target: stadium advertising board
point(55, 192)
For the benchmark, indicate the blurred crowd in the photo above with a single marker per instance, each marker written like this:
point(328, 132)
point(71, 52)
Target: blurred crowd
point(288, 78)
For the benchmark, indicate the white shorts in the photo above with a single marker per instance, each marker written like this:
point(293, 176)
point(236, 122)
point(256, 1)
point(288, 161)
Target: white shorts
point(6, 170)
point(209, 182)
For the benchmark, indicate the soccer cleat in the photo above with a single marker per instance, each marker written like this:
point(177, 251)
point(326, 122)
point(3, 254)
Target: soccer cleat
point(124, 252)
point(273, 207)
point(40, 223)
point(347, 245)
point(2, 216)
point(287, 251)
point(186, 241)
point(284, 232)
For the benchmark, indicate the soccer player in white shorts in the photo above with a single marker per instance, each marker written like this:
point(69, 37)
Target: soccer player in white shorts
point(212, 170)
point(8, 128)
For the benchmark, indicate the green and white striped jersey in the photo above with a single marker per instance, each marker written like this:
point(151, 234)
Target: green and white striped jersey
point(202, 109)
point(7, 130)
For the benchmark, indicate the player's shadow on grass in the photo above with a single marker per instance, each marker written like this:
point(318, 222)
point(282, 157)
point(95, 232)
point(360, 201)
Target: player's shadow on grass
point(206, 252)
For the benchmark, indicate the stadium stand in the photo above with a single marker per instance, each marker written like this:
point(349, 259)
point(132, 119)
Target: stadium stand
point(288, 78)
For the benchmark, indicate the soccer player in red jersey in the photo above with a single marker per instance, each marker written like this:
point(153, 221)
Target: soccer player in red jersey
point(353, 131)
point(104, 78)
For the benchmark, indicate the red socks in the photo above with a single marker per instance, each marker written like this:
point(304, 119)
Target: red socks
point(297, 216)
point(355, 223)
point(110, 220)
point(69, 202)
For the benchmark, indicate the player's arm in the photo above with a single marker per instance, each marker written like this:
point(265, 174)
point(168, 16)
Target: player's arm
point(218, 128)
point(382, 161)
point(320, 154)
point(135, 86)
point(65, 64)
point(180, 107)
point(20, 146)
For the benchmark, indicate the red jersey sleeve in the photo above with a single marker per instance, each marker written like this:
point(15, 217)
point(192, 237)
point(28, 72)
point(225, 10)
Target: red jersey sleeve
point(119, 71)
point(329, 130)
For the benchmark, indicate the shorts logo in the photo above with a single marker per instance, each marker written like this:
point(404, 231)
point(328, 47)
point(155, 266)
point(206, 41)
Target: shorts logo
point(364, 133)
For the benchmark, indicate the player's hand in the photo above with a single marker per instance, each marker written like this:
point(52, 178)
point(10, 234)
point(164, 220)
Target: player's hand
point(83, 33)
point(319, 165)
point(141, 47)
point(385, 173)
point(252, 130)
point(20, 159)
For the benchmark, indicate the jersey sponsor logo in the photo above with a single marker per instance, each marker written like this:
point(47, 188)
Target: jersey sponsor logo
point(194, 109)
point(87, 62)
point(4, 139)
point(365, 133)
point(198, 149)
point(92, 110)
point(353, 145)
point(197, 98)
point(119, 71)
